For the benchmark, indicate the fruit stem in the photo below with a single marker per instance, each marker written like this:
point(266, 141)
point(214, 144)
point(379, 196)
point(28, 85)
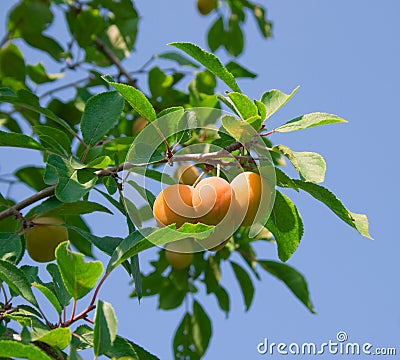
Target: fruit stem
point(199, 178)
point(85, 153)
point(218, 170)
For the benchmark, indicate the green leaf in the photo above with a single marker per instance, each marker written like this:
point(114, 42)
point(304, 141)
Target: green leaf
point(136, 99)
point(210, 61)
point(311, 166)
point(234, 39)
point(50, 296)
point(17, 282)
point(81, 244)
point(245, 107)
point(100, 162)
point(223, 299)
point(275, 99)
point(246, 284)
point(59, 287)
point(54, 139)
point(86, 25)
point(18, 140)
point(107, 244)
point(79, 276)
point(286, 225)
point(183, 340)
point(10, 247)
point(73, 353)
point(264, 25)
point(240, 130)
point(29, 101)
point(117, 204)
point(16, 349)
point(12, 64)
point(201, 328)
point(31, 273)
point(262, 110)
point(105, 328)
point(84, 337)
point(238, 71)
point(159, 82)
point(212, 275)
point(74, 180)
point(81, 207)
point(125, 349)
point(38, 74)
point(101, 112)
point(170, 296)
point(147, 195)
point(255, 122)
point(292, 278)
point(308, 121)
point(136, 242)
point(178, 58)
point(284, 181)
point(58, 338)
point(32, 176)
point(26, 316)
point(357, 221)
point(9, 122)
point(74, 208)
point(137, 276)
point(216, 35)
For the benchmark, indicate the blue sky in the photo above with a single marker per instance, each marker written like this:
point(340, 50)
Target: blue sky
point(345, 56)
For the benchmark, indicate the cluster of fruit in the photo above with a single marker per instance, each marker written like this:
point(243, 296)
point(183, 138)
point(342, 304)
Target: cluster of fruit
point(212, 201)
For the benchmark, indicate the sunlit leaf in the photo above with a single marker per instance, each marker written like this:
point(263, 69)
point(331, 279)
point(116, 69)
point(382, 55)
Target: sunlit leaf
point(308, 121)
point(79, 276)
point(210, 61)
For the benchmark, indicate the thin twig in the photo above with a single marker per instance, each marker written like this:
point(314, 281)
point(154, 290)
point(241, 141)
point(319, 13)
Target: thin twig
point(73, 132)
point(102, 46)
point(88, 320)
point(91, 305)
point(42, 194)
point(85, 153)
point(73, 310)
point(268, 133)
point(65, 86)
point(213, 158)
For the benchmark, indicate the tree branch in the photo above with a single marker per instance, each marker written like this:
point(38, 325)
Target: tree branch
point(102, 46)
point(213, 158)
point(42, 194)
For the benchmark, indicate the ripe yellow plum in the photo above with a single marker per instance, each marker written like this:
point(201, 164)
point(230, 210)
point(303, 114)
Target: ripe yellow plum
point(253, 196)
point(215, 204)
point(212, 198)
point(174, 205)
